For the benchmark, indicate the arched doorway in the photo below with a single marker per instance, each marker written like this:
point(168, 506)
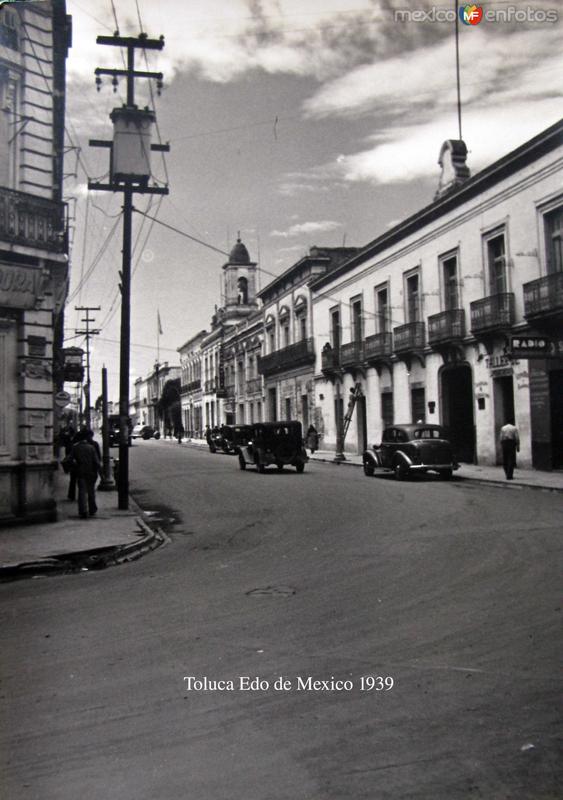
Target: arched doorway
point(457, 409)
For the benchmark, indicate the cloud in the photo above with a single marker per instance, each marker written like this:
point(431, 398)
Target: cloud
point(307, 228)
point(410, 153)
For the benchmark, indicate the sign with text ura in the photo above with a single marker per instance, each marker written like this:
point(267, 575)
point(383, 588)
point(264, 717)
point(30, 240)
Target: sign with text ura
point(535, 347)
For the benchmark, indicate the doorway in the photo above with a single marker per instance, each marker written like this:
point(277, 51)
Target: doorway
point(556, 404)
point(503, 393)
point(457, 410)
point(272, 405)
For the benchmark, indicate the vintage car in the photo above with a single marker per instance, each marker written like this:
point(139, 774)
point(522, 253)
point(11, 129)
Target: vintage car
point(279, 443)
point(406, 449)
point(235, 436)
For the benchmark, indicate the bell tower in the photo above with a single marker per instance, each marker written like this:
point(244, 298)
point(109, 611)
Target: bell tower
point(239, 283)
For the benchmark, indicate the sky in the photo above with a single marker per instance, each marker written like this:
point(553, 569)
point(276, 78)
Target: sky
point(297, 123)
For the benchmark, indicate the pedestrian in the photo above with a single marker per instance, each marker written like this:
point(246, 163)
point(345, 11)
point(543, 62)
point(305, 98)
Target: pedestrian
point(96, 446)
point(180, 433)
point(312, 439)
point(510, 445)
point(69, 463)
point(87, 470)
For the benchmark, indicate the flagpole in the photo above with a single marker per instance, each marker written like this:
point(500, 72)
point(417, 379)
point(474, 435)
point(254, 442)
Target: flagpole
point(158, 336)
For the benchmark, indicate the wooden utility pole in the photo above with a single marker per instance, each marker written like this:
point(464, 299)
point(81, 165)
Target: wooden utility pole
point(88, 333)
point(129, 178)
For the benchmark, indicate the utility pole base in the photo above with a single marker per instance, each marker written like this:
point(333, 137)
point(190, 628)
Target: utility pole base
point(106, 485)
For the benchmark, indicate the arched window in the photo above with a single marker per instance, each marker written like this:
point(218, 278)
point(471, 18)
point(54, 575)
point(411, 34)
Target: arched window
point(242, 286)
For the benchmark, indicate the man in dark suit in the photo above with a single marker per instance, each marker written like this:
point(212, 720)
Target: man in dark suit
point(87, 468)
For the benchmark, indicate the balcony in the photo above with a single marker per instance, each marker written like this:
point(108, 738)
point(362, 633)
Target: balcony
point(448, 326)
point(378, 347)
point(254, 386)
point(230, 390)
point(492, 313)
point(295, 355)
point(32, 221)
point(351, 355)
point(330, 359)
point(543, 298)
point(193, 386)
point(210, 385)
point(409, 338)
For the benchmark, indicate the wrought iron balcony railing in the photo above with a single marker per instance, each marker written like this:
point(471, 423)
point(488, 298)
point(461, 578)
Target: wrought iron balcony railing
point(330, 359)
point(210, 385)
point(193, 386)
point(378, 346)
point(409, 337)
point(32, 221)
point(544, 296)
point(351, 354)
point(295, 355)
point(230, 390)
point(447, 326)
point(492, 313)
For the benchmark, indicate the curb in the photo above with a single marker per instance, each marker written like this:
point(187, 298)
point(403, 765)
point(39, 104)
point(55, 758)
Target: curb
point(484, 481)
point(88, 560)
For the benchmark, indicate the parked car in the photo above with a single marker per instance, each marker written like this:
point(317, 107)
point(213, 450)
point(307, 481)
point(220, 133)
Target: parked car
point(235, 436)
point(279, 443)
point(406, 449)
point(144, 432)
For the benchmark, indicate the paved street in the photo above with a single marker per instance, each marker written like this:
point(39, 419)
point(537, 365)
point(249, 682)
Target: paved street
point(452, 590)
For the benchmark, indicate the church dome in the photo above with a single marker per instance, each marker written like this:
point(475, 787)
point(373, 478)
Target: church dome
point(239, 254)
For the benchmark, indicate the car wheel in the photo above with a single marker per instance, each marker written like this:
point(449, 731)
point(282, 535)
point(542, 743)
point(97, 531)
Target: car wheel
point(212, 449)
point(259, 465)
point(280, 467)
point(300, 467)
point(446, 474)
point(241, 462)
point(401, 471)
point(368, 468)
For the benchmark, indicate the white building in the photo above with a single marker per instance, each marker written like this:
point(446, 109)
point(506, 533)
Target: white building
point(424, 317)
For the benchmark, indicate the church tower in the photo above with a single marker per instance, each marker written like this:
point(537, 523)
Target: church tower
point(239, 284)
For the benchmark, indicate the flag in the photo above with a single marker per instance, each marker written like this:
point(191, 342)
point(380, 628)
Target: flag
point(159, 322)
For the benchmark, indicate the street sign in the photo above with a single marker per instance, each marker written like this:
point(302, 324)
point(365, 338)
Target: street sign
point(62, 399)
point(534, 347)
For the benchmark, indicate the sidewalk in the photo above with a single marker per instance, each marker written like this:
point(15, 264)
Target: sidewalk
point(530, 478)
point(73, 544)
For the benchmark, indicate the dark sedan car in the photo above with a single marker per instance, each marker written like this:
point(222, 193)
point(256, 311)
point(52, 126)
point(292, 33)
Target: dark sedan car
point(279, 443)
point(406, 449)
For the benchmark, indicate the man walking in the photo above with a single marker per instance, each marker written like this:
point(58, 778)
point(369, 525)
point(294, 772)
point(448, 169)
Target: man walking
point(88, 466)
point(510, 444)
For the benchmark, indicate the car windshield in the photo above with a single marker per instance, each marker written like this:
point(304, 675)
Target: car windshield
point(428, 433)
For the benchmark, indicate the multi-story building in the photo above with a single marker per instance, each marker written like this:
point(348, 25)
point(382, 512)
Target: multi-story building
point(238, 303)
point(242, 383)
point(34, 40)
point(155, 381)
point(287, 363)
point(191, 385)
point(427, 317)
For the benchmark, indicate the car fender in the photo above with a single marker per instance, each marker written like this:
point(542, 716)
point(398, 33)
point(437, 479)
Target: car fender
point(400, 456)
point(371, 457)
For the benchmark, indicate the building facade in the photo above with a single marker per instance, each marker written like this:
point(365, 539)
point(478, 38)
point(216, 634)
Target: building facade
point(191, 385)
point(34, 41)
point(431, 318)
point(287, 363)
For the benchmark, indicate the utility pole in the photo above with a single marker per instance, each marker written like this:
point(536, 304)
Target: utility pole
point(129, 174)
point(89, 332)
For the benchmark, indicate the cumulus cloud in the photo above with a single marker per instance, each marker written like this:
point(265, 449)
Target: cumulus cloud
point(307, 228)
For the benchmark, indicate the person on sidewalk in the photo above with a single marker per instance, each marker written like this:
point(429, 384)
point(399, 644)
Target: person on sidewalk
point(510, 445)
point(96, 446)
point(312, 439)
point(87, 470)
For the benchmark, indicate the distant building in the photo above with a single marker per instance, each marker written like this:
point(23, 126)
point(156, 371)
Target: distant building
point(34, 40)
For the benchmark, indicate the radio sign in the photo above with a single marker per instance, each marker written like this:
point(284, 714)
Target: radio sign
point(531, 347)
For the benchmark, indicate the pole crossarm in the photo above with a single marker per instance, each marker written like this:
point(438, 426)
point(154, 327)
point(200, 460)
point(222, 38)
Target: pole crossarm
point(124, 72)
point(94, 186)
point(132, 41)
